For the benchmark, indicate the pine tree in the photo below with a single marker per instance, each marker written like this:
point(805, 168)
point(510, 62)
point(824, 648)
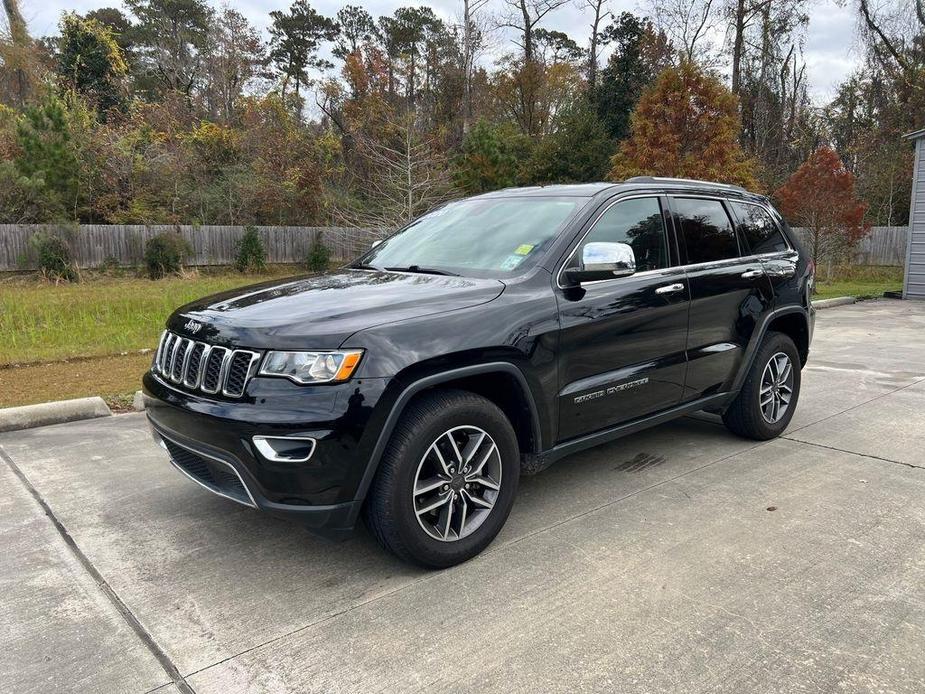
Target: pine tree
point(577, 152)
point(47, 153)
point(486, 160)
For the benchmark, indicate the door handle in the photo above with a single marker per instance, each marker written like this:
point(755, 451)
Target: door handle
point(752, 274)
point(670, 288)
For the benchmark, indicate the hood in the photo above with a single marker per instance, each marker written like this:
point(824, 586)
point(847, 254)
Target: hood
point(321, 311)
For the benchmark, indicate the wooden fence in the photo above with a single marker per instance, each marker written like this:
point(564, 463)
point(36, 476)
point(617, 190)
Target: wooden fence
point(94, 245)
point(882, 246)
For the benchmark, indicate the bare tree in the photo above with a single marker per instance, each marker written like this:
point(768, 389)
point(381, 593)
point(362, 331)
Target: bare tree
point(892, 30)
point(472, 31)
point(600, 13)
point(523, 16)
point(745, 15)
point(778, 122)
point(234, 55)
point(687, 23)
point(408, 177)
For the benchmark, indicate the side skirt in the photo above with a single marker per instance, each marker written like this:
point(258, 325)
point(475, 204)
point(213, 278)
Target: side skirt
point(534, 463)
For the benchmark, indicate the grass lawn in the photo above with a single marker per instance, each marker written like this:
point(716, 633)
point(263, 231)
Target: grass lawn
point(100, 316)
point(861, 281)
point(47, 331)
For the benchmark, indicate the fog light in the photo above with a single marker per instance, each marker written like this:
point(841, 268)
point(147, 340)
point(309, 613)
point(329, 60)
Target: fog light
point(285, 449)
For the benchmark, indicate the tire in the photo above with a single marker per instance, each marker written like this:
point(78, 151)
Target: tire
point(746, 416)
point(418, 456)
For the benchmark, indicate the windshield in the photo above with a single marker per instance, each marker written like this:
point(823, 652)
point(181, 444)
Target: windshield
point(488, 237)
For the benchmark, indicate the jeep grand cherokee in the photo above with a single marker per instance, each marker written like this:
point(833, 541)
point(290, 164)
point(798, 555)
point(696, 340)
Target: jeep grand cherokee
point(485, 340)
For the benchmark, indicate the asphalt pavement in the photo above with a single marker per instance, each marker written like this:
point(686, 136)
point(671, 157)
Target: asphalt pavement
point(681, 559)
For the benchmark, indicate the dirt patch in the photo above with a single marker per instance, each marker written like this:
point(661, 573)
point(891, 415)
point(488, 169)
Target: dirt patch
point(114, 378)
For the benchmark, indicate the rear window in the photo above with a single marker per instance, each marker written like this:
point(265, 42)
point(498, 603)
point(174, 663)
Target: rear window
point(706, 229)
point(759, 229)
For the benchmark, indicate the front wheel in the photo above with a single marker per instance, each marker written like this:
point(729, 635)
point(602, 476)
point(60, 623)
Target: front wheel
point(447, 480)
point(765, 405)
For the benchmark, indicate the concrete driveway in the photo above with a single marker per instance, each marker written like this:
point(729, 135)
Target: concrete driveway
point(679, 559)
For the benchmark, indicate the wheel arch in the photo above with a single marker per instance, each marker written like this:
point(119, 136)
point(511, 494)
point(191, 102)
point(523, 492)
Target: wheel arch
point(793, 321)
point(500, 382)
point(796, 327)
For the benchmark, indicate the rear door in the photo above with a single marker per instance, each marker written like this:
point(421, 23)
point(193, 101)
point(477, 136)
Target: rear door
point(622, 340)
point(759, 229)
point(729, 292)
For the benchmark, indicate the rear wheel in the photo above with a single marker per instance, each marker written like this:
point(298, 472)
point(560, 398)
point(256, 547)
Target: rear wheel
point(768, 398)
point(447, 480)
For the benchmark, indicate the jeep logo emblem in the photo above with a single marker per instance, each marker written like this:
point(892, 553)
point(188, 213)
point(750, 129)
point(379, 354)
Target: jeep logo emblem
point(193, 326)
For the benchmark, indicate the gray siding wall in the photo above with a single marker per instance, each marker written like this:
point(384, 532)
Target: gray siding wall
point(915, 266)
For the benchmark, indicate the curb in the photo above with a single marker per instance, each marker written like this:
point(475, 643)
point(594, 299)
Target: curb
point(138, 402)
point(31, 416)
point(837, 301)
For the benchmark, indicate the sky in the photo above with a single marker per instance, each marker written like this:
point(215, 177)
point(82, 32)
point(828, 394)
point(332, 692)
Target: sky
point(830, 47)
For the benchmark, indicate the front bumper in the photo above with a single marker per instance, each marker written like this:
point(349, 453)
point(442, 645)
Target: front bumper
point(211, 442)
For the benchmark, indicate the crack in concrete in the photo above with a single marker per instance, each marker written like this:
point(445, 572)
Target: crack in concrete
point(854, 407)
point(162, 658)
point(860, 455)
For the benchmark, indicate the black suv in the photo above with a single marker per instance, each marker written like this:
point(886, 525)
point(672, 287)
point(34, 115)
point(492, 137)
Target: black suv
point(485, 340)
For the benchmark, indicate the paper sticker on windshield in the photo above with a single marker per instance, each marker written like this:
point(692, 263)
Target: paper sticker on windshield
point(511, 262)
point(524, 249)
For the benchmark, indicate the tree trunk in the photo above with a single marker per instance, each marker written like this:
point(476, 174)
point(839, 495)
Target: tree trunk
point(411, 79)
point(18, 31)
point(738, 46)
point(528, 33)
point(592, 53)
point(19, 34)
point(467, 68)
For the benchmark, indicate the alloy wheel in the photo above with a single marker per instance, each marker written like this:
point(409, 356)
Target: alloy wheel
point(776, 388)
point(457, 483)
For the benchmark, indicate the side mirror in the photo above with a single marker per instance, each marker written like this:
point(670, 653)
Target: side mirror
point(375, 243)
point(601, 260)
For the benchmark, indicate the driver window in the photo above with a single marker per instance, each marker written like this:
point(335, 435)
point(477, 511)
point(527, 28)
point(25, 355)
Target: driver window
point(638, 223)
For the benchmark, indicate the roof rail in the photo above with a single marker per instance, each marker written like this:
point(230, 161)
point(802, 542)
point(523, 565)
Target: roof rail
point(663, 179)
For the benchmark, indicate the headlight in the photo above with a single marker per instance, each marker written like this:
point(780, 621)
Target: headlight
point(312, 367)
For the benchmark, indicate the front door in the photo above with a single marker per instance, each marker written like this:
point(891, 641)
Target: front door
point(729, 293)
point(621, 346)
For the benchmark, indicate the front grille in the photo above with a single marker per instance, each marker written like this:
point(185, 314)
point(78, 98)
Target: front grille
point(216, 476)
point(200, 366)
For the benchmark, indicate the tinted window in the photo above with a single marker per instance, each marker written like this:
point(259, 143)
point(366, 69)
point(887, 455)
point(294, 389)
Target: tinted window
point(706, 229)
point(639, 224)
point(756, 225)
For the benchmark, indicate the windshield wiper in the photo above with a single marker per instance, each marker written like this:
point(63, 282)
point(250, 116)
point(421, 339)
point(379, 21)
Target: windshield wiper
point(423, 270)
point(366, 266)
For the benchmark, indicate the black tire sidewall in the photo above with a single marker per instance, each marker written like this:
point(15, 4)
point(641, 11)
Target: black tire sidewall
point(775, 343)
point(463, 409)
